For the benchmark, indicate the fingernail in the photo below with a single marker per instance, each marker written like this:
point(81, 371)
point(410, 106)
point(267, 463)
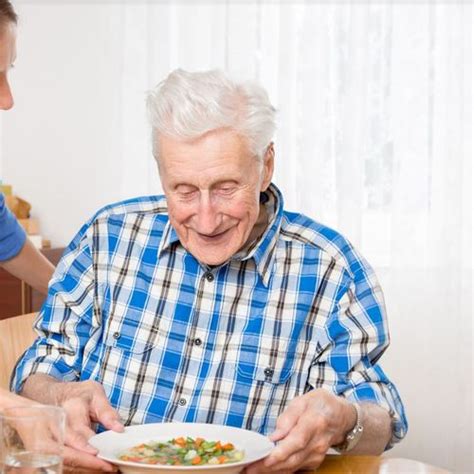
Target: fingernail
point(276, 435)
point(117, 426)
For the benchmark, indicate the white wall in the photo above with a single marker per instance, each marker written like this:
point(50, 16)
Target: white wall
point(67, 149)
point(63, 143)
point(431, 362)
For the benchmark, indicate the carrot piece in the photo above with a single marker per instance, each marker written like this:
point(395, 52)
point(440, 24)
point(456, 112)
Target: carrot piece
point(228, 447)
point(222, 459)
point(198, 441)
point(218, 446)
point(196, 460)
point(180, 441)
point(132, 459)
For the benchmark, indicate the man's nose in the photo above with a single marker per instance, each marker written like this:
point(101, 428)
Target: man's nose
point(6, 97)
point(209, 218)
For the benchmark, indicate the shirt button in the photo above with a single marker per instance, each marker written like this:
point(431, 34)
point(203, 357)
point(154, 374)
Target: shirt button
point(209, 276)
point(116, 335)
point(197, 341)
point(268, 372)
point(182, 401)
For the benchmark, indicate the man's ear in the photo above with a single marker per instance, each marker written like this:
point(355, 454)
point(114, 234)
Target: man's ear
point(268, 166)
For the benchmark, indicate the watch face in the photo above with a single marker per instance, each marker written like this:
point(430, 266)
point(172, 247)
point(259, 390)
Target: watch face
point(353, 437)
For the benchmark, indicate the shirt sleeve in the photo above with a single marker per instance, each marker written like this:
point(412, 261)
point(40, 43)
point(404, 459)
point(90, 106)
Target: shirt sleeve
point(12, 235)
point(357, 336)
point(65, 323)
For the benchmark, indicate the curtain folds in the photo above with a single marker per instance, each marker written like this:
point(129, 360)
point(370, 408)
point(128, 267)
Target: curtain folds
point(374, 140)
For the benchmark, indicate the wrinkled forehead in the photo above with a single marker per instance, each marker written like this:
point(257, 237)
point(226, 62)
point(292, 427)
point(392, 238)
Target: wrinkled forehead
point(222, 138)
point(221, 155)
point(215, 143)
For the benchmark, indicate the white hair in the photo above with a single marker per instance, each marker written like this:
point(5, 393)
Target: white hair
point(186, 105)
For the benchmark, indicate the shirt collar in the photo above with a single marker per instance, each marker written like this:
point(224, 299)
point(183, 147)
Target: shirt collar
point(169, 238)
point(262, 251)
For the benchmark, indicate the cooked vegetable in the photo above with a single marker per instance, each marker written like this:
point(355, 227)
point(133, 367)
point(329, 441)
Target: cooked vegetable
point(183, 452)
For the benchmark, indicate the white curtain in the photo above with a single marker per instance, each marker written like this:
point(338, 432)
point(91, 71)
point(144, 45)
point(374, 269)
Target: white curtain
point(374, 139)
point(375, 105)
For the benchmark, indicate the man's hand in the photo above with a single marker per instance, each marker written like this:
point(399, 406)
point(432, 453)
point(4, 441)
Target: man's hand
point(310, 425)
point(85, 403)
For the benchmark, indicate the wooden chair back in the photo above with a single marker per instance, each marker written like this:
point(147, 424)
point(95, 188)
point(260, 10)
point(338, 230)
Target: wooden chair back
point(16, 335)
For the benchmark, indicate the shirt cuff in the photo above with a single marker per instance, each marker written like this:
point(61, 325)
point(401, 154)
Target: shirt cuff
point(31, 365)
point(386, 396)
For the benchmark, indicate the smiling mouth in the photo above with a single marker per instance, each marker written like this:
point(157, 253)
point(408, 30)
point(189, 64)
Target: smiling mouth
point(213, 238)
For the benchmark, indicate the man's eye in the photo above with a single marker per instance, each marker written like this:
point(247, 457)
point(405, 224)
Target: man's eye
point(227, 190)
point(186, 194)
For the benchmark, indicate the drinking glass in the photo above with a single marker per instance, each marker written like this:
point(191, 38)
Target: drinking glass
point(32, 439)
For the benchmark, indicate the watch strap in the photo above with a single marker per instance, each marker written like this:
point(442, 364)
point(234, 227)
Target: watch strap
point(354, 435)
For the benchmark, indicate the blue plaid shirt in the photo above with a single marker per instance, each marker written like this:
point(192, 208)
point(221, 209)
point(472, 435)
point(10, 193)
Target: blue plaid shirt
point(171, 339)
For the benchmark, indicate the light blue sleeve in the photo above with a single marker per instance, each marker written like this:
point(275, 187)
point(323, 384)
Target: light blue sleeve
point(12, 235)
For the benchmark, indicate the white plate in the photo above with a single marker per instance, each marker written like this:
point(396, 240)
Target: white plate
point(111, 445)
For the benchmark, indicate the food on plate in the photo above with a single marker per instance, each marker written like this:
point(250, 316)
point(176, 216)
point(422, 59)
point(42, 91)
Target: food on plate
point(183, 452)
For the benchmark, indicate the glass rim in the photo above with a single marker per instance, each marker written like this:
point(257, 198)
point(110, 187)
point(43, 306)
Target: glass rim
point(36, 408)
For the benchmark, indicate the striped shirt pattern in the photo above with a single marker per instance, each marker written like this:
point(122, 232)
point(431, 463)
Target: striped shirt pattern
point(171, 339)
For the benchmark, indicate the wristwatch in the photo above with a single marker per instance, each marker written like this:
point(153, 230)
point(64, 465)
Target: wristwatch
point(353, 436)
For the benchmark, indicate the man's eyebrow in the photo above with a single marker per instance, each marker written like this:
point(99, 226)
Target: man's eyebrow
point(181, 183)
point(225, 181)
point(219, 182)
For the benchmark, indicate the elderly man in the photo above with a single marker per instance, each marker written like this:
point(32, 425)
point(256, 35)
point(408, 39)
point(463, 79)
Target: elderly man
point(212, 303)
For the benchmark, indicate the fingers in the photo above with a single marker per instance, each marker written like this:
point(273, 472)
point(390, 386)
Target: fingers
point(259, 468)
point(296, 463)
point(102, 412)
point(296, 456)
point(87, 399)
point(297, 441)
point(302, 459)
point(288, 419)
point(92, 396)
point(256, 468)
point(79, 442)
point(78, 429)
point(304, 434)
point(76, 459)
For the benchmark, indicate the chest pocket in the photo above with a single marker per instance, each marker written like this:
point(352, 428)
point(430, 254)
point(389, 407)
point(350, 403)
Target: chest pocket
point(132, 329)
point(128, 337)
point(267, 368)
point(268, 350)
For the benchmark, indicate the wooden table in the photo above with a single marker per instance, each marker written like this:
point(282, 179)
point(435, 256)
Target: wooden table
point(334, 464)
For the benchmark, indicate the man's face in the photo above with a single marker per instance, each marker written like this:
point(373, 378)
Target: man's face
point(212, 185)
